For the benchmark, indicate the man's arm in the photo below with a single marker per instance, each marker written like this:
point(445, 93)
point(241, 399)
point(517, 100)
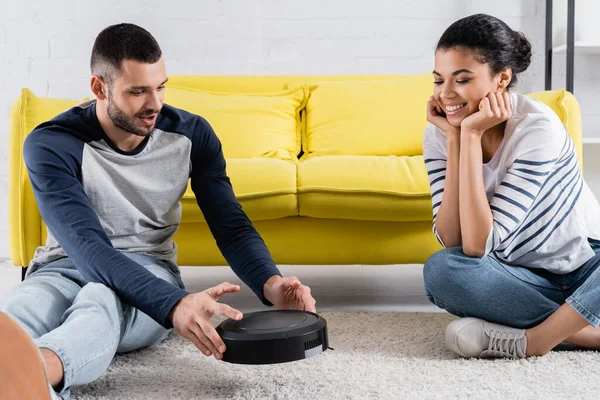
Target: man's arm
point(53, 161)
point(238, 240)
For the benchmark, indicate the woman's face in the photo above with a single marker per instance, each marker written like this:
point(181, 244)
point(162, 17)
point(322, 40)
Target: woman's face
point(460, 83)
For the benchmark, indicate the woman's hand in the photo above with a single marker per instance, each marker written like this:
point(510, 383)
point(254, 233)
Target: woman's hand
point(436, 116)
point(493, 109)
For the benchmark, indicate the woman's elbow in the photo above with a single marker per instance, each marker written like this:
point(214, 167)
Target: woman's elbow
point(448, 240)
point(473, 251)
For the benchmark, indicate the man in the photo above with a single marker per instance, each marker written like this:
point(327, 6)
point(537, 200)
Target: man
point(108, 177)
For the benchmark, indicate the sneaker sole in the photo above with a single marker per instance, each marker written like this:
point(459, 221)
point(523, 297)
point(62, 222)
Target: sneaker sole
point(22, 373)
point(457, 326)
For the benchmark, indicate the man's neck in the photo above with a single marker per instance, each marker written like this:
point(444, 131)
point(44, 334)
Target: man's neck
point(122, 139)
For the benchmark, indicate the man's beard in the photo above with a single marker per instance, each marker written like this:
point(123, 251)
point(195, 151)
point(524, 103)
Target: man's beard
point(123, 121)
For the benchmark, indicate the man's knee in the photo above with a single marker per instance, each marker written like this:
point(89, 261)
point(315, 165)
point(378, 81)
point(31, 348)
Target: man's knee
point(37, 308)
point(101, 299)
point(98, 292)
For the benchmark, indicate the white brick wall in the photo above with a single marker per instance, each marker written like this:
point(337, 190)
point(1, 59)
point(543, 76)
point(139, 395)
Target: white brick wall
point(45, 45)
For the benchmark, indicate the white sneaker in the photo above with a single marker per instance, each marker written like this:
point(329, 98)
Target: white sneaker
point(473, 337)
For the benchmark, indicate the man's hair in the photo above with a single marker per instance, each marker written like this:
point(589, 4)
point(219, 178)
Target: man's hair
point(122, 42)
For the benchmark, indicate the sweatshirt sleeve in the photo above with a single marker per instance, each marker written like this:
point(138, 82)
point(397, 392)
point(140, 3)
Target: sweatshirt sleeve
point(237, 239)
point(53, 160)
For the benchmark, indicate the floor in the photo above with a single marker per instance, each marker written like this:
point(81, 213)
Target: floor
point(335, 287)
point(372, 356)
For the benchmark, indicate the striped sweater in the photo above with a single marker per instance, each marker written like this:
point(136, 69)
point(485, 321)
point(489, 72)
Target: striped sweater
point(544, 214)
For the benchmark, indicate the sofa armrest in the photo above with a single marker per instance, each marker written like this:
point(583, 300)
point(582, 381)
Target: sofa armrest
point(25, 221)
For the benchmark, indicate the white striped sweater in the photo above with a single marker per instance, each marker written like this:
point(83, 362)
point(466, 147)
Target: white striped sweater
point(544, 214)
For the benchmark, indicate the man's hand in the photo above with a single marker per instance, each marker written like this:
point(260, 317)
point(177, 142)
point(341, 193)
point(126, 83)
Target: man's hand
point(289, 294)
point(191, 318)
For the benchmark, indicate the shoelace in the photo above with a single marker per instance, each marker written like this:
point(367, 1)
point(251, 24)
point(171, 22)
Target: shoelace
point(504, 343)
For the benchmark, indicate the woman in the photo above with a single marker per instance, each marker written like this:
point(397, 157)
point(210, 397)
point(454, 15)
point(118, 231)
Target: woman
point(519, 225)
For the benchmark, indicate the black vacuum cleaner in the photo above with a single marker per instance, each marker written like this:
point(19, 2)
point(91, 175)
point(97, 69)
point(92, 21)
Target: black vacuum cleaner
point(274, 336)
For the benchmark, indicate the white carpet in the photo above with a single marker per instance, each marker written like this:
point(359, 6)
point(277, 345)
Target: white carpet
point(376, 356)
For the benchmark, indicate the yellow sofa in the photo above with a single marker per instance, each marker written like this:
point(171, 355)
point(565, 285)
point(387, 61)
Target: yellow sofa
point(328, 168)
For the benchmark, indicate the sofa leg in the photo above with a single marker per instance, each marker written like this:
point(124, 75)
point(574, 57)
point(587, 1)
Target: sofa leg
point(23, 272)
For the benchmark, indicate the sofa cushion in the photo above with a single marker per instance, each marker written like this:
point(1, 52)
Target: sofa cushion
point(33, 110)
point(376, 117)
point(248, 124)
point(265, 187)
point(375, 188)
point(229, 83)
point(259, 83)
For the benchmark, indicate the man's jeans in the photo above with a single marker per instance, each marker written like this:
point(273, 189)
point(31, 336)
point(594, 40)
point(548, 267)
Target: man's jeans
point(514, 296)
point(85, 324)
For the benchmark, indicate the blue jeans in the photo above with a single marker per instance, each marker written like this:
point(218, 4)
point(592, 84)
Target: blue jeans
point(509, 295)
point(85, 324)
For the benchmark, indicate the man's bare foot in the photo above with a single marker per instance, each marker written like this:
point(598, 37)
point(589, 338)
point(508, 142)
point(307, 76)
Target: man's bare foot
point(22, 374)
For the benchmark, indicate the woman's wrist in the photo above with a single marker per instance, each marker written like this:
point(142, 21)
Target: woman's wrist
point(452, 138)
point(469, 136)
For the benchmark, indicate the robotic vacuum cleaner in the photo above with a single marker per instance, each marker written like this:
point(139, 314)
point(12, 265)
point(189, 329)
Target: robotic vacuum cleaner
point(274, 336)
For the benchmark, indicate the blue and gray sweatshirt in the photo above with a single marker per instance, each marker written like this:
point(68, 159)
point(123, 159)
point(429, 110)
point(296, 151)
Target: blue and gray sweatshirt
point(99, 201)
